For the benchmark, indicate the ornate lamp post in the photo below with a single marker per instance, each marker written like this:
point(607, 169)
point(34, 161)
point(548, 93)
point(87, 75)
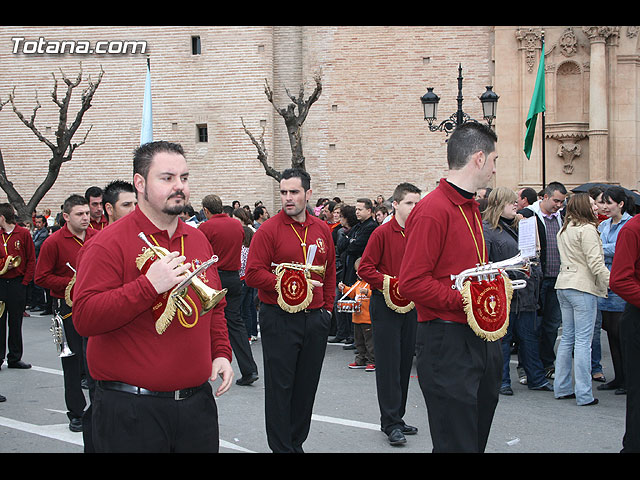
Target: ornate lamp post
point(430, 104)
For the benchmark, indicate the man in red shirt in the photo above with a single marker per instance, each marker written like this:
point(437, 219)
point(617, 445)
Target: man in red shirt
point(625, 281)
point(54, 271)
point(226, 236)
point(17, 242)
point(293, 344)
point(142, 376)
point(394, 332)
point(96, 207)
point(459, 373)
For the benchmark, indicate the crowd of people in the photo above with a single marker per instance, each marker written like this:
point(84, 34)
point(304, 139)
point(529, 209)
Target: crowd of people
point(373, 275)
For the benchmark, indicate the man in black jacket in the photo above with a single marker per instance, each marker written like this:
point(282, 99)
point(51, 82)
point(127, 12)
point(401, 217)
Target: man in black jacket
point(358, 237)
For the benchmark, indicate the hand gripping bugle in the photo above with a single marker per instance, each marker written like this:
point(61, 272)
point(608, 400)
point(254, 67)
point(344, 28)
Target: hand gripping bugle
point(490, 270)
point(208, 296)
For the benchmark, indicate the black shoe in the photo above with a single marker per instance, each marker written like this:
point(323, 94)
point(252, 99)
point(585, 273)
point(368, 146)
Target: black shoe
point(592, 402)
point(566, 397)
point(506, 390)
point(351, 346)
point(46, 312)
point(247, 379)
point(608, 386)
point(409, 430)
point(75, 425)
point(396, 437)
point(3, 398)
point(336, 340)
point(20, 364)
point(620, 391)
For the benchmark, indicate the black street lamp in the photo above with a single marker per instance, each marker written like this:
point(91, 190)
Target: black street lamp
point(430, 104)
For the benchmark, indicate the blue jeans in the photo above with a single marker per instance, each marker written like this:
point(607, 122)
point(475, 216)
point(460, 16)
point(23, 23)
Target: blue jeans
point(551, 321)
point(579, 311)
point(525, 327)
point(596, 347)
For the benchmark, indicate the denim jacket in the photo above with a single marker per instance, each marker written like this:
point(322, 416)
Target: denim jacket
point(609, 236)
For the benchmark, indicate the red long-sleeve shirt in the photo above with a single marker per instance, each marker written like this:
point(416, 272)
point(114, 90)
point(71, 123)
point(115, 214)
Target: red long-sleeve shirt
point(225, 235)
point(59, 248)
point(625, 271)
point(383, 254)
point(276, 242)
point(113, 303)
point(439, 244)
point(19, 243)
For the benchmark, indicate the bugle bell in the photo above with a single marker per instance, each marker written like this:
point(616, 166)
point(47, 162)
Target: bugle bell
point(11, 261)
point(60, 337)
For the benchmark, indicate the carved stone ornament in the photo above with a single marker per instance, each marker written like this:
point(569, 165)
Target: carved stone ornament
point(568, 134)
point(530, 39)
point(568, 43)
point(568, 151)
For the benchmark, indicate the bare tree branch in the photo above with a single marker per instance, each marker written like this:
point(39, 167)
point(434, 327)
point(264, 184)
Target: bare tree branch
point(262, 152)
point(62, 150)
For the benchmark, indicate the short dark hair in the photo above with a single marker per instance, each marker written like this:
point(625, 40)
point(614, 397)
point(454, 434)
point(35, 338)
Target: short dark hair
point(213, 203)
point(95, 192)
point(8, 212)
point(554, 187)
point(111, 192)
point(143, 155)
point(257, 213)
point(368, 204)
point(467, 139)
point(331, 205)
point(617, 194)
point(349, 214)
point(530, 194)
point(73, 201)
point(303, 175)
point(404, 188)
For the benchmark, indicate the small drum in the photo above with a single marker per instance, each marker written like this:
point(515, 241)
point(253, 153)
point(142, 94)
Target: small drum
point(348, 306)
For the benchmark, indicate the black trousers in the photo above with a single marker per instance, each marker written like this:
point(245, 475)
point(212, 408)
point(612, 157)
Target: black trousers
point(459, 375)
point(630, 336)
point(238, 336)
point(72, 367)
point(394, 342)
point(128, 423)
point(294, 346)
point(14, 295)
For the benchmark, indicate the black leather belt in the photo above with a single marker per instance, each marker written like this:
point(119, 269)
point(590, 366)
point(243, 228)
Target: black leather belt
point(447, 322)
point(124, 387)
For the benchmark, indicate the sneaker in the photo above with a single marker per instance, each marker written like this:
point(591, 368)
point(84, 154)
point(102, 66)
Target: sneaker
point(336, 340)
point(355, 365)
point(550, 372)
point(370, 368)
point(522, 376)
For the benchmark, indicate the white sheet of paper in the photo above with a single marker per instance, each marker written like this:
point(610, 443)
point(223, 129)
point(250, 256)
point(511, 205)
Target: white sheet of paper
point(527, 237)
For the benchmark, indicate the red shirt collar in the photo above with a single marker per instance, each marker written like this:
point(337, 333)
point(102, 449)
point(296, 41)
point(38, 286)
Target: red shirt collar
point(148, 227)
point(289, 220)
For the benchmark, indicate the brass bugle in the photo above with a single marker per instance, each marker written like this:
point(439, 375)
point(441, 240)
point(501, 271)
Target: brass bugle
point(12, 262)
point(489, 271)
point(209, 297)
point(318, 269)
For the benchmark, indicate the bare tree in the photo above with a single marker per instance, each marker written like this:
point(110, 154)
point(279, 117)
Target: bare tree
point(63, 148)
point(293, 120)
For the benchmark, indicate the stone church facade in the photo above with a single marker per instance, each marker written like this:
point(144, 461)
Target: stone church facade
point(364, 135)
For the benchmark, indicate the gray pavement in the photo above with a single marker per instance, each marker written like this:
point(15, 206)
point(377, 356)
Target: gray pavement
point(346, 416)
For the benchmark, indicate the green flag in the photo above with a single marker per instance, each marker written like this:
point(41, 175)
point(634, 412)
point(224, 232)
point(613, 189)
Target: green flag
point(537, 106)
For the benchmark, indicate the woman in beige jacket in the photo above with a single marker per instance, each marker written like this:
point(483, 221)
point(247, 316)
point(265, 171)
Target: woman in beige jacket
point(582, 279)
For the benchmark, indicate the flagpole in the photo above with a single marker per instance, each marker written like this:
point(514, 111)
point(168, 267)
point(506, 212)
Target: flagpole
point(544, 164)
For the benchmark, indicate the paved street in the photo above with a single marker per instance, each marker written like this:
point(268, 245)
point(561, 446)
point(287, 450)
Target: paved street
point(33, 418)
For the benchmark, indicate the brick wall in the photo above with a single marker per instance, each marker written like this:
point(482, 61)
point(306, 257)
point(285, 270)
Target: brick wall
point(365, 134)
